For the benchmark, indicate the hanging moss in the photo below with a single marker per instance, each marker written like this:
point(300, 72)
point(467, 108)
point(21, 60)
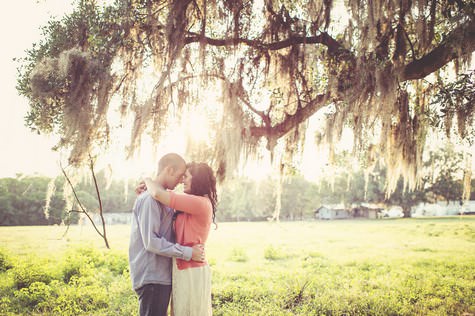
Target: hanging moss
point(304, 54)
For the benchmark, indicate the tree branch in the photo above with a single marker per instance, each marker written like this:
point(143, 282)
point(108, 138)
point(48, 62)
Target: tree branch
point(261, 114)
point(322, 38)
point(291, 121)
point(459, 42)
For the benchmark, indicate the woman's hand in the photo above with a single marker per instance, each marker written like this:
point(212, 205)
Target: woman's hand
point(198, 253)
point(141, 187)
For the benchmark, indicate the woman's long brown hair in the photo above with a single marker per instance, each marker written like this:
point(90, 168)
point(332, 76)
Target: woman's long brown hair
point(203, 182)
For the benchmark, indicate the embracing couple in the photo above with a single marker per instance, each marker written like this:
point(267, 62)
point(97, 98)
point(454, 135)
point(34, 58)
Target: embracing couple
point(169, 230)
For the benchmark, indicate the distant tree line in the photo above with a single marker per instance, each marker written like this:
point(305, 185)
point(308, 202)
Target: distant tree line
point(343, 183)
point(23, 199)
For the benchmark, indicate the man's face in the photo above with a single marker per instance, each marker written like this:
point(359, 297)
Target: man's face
point(176, 176)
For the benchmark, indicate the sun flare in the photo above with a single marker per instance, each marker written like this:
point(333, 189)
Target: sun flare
point(197, 127)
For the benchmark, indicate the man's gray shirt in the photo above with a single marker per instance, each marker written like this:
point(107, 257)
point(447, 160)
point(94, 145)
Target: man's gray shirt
point(151, 243)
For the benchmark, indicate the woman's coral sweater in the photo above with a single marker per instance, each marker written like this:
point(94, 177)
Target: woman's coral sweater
point(192, 227)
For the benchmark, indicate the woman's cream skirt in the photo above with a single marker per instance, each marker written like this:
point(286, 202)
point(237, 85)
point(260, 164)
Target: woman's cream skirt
point(191, 291)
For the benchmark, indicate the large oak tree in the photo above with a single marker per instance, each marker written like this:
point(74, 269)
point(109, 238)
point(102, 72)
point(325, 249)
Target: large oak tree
point(382, 66)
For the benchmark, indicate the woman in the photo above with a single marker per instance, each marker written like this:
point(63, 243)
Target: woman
point(191, 286)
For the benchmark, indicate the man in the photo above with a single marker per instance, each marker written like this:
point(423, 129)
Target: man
point(151, 242)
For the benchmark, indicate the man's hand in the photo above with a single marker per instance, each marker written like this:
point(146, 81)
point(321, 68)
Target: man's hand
point(198, 253)
point(141, 187)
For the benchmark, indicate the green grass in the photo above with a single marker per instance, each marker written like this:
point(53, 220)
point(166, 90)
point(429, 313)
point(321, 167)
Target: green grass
point(354, 267)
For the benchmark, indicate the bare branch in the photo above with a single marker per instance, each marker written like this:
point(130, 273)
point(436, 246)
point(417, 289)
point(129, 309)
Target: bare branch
point(83, 210)
point(91, 166)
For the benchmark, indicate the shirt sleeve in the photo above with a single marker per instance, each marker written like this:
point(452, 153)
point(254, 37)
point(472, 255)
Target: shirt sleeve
point(149, 227)
point(191, 204)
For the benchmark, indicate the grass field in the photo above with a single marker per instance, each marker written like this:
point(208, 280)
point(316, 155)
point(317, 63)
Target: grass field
point(347, 267)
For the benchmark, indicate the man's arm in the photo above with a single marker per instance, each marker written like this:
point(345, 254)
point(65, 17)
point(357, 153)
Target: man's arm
point(150, 224)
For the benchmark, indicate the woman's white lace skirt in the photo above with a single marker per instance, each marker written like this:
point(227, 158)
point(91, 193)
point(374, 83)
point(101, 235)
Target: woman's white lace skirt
point(191, 291)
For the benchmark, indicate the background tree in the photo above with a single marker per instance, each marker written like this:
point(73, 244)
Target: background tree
point(22, 201)
point(299, 198)
point(275, 63)
point(446, 166)
point(39, 200)
point(245, 199)
point(349, 182)
point(237, 200)
point(118, 196)
point(343, 181)
point(406, 199)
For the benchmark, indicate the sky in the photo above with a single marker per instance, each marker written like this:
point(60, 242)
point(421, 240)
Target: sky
point(23, 151)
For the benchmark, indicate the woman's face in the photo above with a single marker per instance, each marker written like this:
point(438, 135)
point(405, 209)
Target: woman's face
point(187, 181)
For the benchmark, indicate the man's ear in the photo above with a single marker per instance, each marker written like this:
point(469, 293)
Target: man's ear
point(170, 170)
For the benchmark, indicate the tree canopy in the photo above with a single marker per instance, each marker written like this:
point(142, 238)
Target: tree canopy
point(383, 68)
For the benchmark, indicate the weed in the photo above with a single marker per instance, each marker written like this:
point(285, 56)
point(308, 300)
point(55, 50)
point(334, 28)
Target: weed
point(5, 262)
point(238, 254)
point(274, 253)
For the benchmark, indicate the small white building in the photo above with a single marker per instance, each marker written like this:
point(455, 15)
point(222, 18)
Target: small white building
point(393, 212)
point(367, 210)
point(467, 208)
point(327, 212)
point(442, 208)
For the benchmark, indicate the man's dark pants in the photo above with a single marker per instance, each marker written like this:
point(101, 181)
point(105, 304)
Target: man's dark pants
point(154, 299)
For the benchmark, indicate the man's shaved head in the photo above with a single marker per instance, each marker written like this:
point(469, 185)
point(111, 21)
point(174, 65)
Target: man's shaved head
point(171, 169)
point(171, 160)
